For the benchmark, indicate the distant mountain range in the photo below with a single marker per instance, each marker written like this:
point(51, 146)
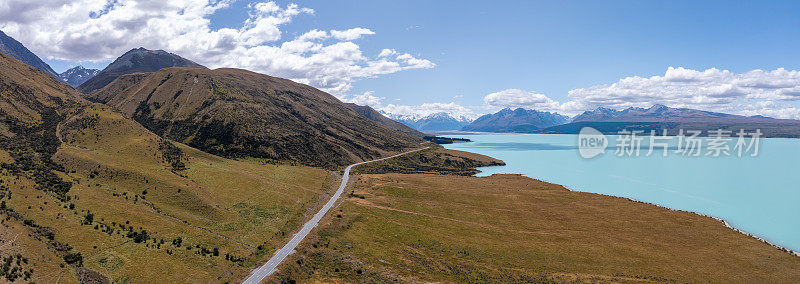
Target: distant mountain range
point(660, 118)
point(518, 120)
point(434, 122)
point(662, 113)
point(609, 121)
point(138, 60)
point(77, 75)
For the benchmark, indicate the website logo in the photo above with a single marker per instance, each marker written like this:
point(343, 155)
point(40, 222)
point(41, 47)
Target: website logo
point(591, 143)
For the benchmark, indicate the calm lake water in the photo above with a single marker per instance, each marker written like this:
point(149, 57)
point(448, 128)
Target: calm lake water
point(759, 195)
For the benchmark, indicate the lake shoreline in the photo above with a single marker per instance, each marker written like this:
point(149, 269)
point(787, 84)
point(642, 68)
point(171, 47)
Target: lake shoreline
point(646, 134)
point(740, 193)
point(723, 221)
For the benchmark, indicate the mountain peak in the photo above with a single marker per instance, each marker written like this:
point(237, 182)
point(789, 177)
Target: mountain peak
point(658, 106)
point(505, 110)
point(77, 75)
point(77, 68)
point(141, 50)
point(440, 121)
point(518, 120)
point(137, 60)
point(149, 59)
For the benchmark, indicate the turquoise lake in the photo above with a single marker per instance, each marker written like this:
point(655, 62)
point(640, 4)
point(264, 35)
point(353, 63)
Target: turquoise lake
point(759, 195)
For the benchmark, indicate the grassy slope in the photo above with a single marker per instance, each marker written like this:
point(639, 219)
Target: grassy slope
point(112, 161)
point(117, 86)
point(508, 228)
point(238, 113)
point(16, 238)
point(26, 93)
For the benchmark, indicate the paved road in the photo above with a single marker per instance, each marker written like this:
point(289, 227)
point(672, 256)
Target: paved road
point(270, 267)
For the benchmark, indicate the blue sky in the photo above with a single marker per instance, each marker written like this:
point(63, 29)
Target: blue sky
point(552, 47)
point(548, 48)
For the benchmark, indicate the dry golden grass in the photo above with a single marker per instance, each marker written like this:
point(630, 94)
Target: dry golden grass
point(5, 157)
point(238, 113)
point(234, 206)
point(508, 228)
point(436, 160)
point(16, 238)
point(469, 155)
point(25, 91)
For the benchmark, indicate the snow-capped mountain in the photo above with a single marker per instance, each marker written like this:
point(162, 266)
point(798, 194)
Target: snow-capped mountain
point(77, 75)
point(441, 121)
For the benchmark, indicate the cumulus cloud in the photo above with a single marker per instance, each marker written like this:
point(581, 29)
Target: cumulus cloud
point(351, 34)
point(753, 92)
point(410, 112)
point(758, 92)
point(94, 30)
point(387, 52)
point(365, 99)
point(771, 93)
point(515, 98)
point(770, 109)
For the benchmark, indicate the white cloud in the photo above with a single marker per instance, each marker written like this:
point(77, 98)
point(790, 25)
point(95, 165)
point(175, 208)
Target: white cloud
point(749, 93)
point(351, 34)
point(515, 98)
point(387, 52)
point(365, 99)
point(770, 93)
point(770, 109)
point(94, 30)
point(410, 112)
point(758, 92)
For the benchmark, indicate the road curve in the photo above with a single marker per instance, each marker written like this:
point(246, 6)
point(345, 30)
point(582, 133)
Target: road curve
point(270, 267)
